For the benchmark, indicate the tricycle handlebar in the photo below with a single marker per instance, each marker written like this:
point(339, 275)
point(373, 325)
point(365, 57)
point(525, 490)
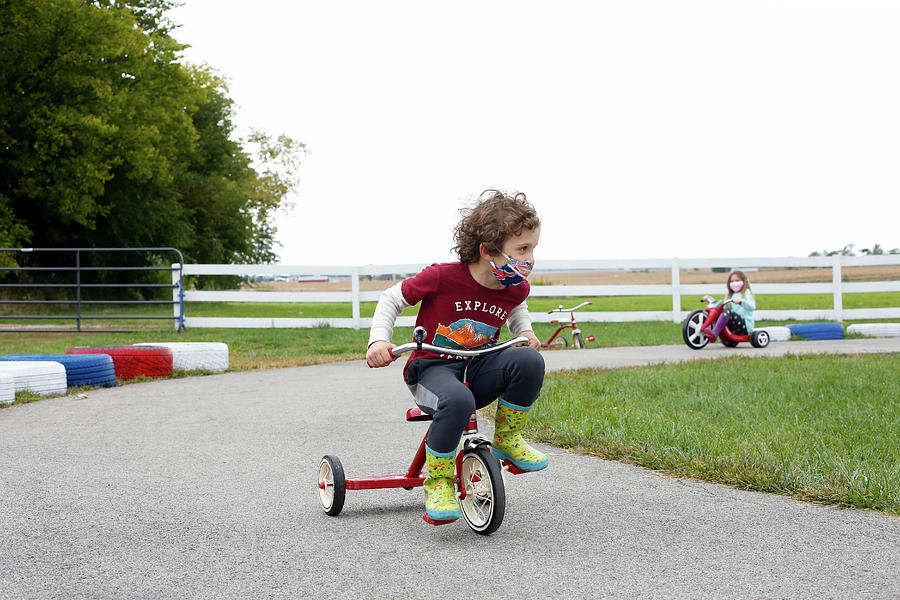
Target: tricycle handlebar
point(713, 303)
point(561, 309)
point(398, 350)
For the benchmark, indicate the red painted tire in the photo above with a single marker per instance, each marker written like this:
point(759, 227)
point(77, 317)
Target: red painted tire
point(133, 361)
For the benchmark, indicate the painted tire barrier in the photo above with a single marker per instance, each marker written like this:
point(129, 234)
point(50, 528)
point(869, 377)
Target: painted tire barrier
point(45, 378)
point(133, 361)
point(81, 369)
point(817, 331)
point(875, 329)
point(777, 334)
point(7, 389)
point(210, 356)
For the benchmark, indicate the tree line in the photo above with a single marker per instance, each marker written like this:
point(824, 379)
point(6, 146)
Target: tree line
point(849, 250)
point(109, 139)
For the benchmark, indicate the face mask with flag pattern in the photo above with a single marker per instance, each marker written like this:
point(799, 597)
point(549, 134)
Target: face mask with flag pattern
point(512, 272)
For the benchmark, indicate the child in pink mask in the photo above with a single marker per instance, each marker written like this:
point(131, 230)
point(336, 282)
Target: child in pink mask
point(738, 315)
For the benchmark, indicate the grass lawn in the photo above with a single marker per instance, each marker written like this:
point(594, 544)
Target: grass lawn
point(326, 310)
point(821, 428)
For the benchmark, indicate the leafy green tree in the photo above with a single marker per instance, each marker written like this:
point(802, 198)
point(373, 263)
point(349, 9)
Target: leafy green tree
point(107, 139)
point(149, 14)
point(91, 104)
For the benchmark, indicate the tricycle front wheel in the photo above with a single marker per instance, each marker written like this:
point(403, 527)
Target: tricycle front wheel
point(690, 329)
point(485, 502)
point(577, 341)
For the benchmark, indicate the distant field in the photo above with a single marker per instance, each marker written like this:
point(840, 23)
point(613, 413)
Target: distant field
point(628, 276)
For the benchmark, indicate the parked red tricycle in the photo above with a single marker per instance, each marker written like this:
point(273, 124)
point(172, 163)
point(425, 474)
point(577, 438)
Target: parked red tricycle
point(705, 318)
point(479, 477)
point(577, 339)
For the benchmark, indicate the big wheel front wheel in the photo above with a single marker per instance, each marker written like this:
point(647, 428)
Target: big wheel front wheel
point(690, 329)
point(332, 485)
point(577, 341)
point(485, 502)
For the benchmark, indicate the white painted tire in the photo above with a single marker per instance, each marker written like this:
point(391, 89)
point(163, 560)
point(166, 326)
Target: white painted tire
point(777, 334)
point(7, 389)
point(875, 329)
point(186, 356)
point(45, 378)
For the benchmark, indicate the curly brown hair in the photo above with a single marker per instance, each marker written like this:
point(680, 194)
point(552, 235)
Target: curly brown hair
point(492, 220)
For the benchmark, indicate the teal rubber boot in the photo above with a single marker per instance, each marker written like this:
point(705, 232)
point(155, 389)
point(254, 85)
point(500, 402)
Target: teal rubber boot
point(440, 490)
point(508, 441)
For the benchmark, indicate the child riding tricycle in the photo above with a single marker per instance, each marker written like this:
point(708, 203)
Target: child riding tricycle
point(463, 305)
point(700, 321)
point(477, 481)
point(730, 319)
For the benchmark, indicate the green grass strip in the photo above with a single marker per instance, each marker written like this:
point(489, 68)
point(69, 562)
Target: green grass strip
point(820, 428)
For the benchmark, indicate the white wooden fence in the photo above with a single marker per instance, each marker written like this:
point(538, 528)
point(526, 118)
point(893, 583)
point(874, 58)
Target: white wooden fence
point(675, 289)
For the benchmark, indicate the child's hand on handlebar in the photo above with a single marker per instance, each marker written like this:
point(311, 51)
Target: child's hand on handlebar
point(533, 342)
point(379, 354)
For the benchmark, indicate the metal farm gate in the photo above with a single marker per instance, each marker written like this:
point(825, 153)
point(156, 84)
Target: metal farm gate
point(75, 276)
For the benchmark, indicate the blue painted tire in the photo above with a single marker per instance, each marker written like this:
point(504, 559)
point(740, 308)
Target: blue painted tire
point(817, 331)
point(81, 369)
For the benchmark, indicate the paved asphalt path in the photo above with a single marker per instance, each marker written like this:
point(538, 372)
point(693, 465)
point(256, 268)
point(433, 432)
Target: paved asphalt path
point(204, 487)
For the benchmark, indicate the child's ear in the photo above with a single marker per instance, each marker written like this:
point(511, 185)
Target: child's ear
point(484, 249)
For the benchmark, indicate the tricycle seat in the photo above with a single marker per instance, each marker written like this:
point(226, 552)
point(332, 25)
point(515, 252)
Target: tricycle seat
point(415, 414)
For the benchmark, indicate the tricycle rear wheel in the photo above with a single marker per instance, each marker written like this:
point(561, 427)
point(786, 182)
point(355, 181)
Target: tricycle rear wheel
point(332, 485)
point(759, 338)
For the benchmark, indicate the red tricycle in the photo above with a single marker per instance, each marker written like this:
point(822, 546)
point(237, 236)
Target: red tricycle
point(577, 339)
point(705, 318)
point(479, 477)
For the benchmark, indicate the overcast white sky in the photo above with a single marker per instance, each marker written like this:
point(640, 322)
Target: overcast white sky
point(637, 128)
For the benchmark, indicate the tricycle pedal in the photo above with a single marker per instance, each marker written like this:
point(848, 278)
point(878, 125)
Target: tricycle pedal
point(431, 521)
point(513, 468)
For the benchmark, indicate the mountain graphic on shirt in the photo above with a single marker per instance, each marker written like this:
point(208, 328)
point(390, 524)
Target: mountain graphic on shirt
point(464, 334)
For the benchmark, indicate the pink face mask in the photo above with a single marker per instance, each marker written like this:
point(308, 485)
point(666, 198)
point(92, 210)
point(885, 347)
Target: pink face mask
point(736, 286)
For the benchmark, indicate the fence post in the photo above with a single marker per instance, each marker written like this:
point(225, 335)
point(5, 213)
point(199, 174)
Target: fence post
point(354, 278)
point(676, 291)
point(177, 295)
point(836, 287)
point(78, 290)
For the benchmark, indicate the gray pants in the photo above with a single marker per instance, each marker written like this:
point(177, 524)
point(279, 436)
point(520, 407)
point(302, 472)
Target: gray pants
point(516, 374)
